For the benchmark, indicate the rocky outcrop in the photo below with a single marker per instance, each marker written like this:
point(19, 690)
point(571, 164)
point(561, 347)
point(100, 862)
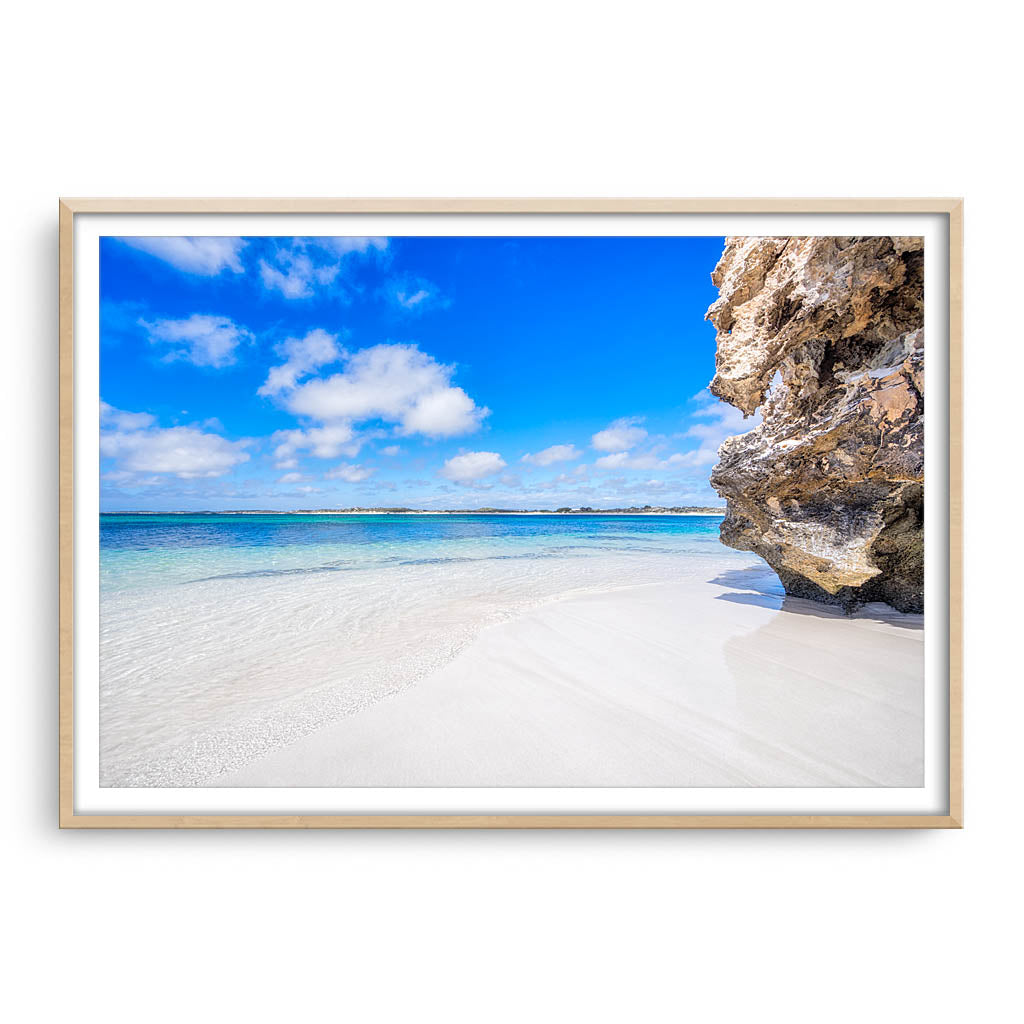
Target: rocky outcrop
point(824, 336)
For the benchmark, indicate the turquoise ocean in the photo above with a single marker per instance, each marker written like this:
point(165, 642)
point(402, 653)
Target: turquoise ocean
point(223, 636)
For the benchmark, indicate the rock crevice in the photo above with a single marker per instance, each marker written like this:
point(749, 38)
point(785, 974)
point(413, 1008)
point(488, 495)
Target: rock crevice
point(825, 337)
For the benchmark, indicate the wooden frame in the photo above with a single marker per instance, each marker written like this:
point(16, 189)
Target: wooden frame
point(952, 208)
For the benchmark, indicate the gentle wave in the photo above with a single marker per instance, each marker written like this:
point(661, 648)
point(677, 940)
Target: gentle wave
point(397, 562)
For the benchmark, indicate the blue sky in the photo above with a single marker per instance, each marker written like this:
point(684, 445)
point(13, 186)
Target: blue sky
point(437, 372)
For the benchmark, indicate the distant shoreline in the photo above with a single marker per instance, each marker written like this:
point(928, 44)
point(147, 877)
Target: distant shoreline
point(417, 512)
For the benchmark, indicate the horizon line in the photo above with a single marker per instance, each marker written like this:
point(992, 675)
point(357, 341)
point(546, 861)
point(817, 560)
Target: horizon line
point(396, 510)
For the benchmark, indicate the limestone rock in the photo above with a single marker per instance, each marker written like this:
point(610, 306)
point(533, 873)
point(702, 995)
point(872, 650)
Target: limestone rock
point(825, 336)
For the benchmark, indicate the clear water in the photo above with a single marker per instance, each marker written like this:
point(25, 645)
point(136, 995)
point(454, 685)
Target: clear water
point(223, 636)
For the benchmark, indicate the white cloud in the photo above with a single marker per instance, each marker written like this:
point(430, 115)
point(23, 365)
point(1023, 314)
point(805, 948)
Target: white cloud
point(206, 256)
point(291, 478)
point(722, 421)
point(123, 476)
point(344, 244)
point(199, 339)
point(471, 466)
point(326, 442)
point(395, 383)
point(303, 356)
point(412, 299)
point(391, 450)
point(621, 435)
point(297, 268)
point(351, 474)
point(556, 453)
point(447, 412)
point(119, 420)
point(715, 421)
point(138, 446)
point(623, 460)
point(413, 294)
point(703, 456)
point(296, 275)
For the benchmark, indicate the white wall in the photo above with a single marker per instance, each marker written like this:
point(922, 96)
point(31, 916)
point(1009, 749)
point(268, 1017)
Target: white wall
point(876, 98)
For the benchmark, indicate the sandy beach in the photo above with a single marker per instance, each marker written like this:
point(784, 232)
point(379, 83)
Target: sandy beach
point(719, 682)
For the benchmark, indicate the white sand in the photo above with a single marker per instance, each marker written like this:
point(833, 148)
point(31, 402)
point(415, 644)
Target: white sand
point(718, 683)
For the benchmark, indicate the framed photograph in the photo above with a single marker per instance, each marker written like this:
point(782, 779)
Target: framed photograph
point(510, 513)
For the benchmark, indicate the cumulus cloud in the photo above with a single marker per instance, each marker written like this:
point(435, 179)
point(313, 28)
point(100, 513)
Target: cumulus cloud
point(413, 294)
point(702, 456)
point(471, 466)
point(206, 256)
point(326, 442)
point(717, 421)
point(123, 476)
point(297, 268)
point(556, 453)
point(620, 435)
point(302, 357)
point(625, 460)
point(349, 473)
point(199, 339)
point(712, 423)
point(446, 412)
point(397, 384)
point(344, 244)
point(117, 419)
point(296, 274)
point(138, 446)
point(391, 450)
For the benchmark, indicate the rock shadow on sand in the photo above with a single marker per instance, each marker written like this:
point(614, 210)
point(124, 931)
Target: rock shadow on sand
point(833, 696)
point(760, 587)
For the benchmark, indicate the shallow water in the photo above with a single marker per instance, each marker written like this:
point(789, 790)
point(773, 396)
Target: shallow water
point(223, 636)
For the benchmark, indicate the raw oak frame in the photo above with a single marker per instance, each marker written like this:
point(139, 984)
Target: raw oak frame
point(951, 207)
